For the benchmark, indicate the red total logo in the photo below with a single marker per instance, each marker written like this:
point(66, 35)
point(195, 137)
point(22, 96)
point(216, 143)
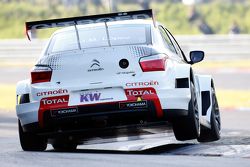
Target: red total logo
point(142, 92)
point(55, 101)
point(139, 92)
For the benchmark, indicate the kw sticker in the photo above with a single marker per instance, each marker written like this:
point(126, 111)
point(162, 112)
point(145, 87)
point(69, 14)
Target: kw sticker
point(90, 97)
point(94, 97)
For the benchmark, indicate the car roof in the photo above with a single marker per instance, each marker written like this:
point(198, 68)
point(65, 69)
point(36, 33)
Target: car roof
point(123, 22)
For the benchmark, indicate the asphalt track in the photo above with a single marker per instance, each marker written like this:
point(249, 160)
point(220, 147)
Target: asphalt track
point(146, 150)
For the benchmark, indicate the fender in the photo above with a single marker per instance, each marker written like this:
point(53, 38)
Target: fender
point(206, 98)
point(182, 70)
point(23, 87)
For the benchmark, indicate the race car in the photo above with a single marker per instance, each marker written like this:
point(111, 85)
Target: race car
point(100, 74)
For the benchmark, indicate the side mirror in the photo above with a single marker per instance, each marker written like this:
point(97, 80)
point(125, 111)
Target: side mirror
point(196, 56)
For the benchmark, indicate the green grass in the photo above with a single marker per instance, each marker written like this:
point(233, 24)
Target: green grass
point(219, 15)
point(226, 98)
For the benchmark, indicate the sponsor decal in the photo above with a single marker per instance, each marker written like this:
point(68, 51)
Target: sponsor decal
point(93, 97)
point(121, 16)
point(133, 105)
point(54, 101)
point(50, 103)
point(90, 97)
point(62, 112)
point(139, 92)
point(139, 99)
point(52, 92)
point(125, 72)
point(150, 83)
point(145, 94)
point(95, 66)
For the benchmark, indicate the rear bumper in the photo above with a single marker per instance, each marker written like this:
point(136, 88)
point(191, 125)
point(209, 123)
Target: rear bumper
point(172, 103)
point(100, 123)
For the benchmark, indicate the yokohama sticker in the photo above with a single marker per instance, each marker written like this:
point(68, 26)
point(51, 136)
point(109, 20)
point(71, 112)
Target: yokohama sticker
point(62, 112)
point(133, 105)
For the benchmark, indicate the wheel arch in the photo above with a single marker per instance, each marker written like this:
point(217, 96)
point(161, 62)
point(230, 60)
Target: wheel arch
point(206, 83)
point(22, 88)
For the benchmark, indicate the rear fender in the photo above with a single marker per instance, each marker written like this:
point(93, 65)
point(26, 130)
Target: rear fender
point(182, 71)
point(22, 87)
point(206, 98)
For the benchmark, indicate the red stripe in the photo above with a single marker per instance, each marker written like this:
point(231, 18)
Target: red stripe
point(58, 102)
point(151, 96)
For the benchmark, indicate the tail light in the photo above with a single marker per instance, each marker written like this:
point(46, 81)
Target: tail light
point(153, 63)
point(41, 74)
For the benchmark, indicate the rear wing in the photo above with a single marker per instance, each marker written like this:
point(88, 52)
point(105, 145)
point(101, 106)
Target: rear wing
point(73, 21)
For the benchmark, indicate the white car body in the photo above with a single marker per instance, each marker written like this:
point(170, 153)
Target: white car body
point(94, 76)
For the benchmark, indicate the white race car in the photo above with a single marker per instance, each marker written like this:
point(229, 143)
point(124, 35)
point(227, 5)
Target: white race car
point(105, 73)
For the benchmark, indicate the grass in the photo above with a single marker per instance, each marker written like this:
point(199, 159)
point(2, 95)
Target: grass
point(173, 15)
point(226, 98)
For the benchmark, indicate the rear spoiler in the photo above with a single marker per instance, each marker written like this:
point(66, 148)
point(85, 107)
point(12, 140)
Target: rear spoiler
point(73, 21)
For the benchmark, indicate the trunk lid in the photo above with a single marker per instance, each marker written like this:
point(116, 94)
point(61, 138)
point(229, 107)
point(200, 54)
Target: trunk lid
point(97, 65)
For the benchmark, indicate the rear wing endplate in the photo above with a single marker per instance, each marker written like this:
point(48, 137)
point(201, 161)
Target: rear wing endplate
point(73, 21)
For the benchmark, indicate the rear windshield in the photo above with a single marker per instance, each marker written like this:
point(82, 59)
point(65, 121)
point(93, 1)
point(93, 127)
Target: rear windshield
point(92, 37)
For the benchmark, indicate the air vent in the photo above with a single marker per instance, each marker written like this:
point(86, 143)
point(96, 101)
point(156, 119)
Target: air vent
point(182, 83)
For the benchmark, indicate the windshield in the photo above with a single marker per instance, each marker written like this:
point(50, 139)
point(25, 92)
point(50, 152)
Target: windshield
point(92, 37)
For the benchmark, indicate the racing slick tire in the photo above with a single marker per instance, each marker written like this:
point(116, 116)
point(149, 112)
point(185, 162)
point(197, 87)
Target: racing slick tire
point(188, 127)
point(30, 141)
point(213, 133)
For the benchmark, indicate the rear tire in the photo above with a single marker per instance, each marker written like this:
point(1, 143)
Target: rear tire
point(213, 133)
point(30, 141)
point(188, 127)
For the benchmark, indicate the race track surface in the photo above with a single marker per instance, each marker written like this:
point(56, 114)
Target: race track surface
point(147, 150)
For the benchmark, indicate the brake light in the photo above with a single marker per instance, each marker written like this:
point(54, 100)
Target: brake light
point(40, 76)
point(153, 64)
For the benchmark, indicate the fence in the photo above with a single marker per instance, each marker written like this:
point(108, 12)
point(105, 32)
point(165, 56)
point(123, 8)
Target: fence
point(216, 47)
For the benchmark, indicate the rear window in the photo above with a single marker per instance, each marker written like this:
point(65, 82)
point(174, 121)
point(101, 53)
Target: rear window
point(92, 37)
